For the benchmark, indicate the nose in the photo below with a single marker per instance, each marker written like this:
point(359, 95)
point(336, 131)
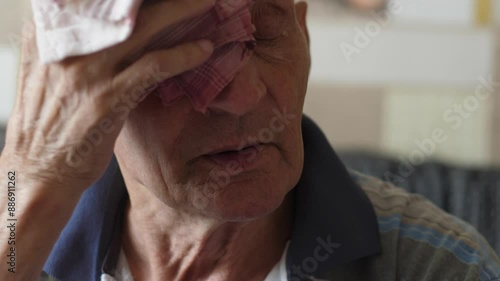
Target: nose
point(242, 95)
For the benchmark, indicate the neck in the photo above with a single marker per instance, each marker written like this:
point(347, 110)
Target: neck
point(179, 246)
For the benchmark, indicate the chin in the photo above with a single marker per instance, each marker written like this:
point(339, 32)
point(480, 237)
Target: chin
point(251, 194)
point(246, 199)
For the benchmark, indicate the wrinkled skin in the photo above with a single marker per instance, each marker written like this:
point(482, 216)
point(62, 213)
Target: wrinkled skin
point(180, 223)
point(194, 218)
point(161, 149)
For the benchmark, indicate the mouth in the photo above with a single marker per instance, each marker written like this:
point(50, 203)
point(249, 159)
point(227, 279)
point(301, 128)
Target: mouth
point(233, 149)
point(236, 158)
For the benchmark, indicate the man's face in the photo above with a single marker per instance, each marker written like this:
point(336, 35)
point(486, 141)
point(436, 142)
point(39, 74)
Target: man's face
point(188, 160)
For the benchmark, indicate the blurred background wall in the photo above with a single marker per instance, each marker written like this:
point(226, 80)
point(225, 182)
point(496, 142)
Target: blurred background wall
point(384, 81)
point(12, 16)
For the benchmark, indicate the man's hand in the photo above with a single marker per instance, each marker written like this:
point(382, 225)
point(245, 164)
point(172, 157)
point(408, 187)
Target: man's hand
point(69, 114)
point(66, 119)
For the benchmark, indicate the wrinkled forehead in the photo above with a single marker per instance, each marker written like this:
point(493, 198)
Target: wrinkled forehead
point(278, 2)
point(280, 8)
point(285, 4)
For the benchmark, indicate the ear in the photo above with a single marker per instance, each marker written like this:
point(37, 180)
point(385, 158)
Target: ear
point(301, 14)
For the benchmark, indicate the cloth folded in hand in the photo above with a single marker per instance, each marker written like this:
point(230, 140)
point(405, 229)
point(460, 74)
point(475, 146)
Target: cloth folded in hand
point(78, 27)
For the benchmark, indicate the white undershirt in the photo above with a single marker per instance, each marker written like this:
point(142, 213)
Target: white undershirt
point(122, 272)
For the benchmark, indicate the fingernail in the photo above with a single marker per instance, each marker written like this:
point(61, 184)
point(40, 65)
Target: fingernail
point(206, 46)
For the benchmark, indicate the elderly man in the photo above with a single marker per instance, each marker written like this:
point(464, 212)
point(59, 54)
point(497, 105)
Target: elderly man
point(251, 190)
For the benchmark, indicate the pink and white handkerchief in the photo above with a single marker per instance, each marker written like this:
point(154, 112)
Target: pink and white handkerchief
point(77, 27)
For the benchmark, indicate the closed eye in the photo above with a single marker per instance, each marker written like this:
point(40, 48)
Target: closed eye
point(267, 41)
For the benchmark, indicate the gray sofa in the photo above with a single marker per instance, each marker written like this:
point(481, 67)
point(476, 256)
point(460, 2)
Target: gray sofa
point(470, 194)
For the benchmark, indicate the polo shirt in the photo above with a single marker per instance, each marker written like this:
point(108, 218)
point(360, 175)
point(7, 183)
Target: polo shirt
point(347, 226)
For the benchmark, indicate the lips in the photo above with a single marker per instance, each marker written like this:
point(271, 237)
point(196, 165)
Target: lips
point(236, 158)
point(231, 149)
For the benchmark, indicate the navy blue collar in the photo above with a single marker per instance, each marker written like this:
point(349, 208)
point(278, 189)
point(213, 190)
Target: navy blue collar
point(334, 221)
